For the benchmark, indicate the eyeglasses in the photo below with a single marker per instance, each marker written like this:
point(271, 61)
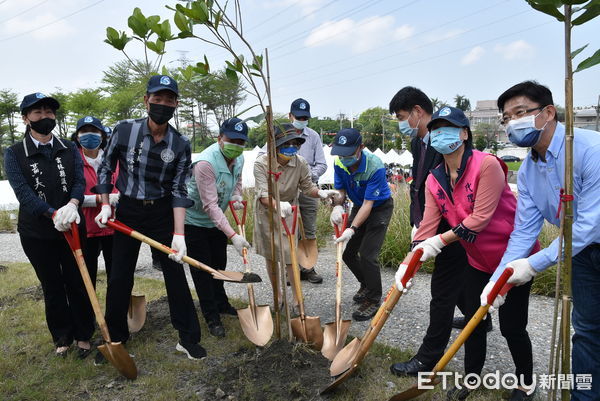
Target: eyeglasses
point(520, 113)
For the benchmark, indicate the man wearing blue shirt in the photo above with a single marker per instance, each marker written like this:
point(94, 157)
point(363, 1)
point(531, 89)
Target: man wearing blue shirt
point(361, 175)
point(529, 116)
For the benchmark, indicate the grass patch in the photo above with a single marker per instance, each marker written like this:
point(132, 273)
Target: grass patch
point(514, 165)
point(6, 224)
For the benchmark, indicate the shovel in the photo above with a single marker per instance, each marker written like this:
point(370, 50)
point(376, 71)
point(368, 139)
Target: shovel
point(499, 288)
point(136, 314)
point(307, 250)
point(305, 328)
point(256, 321)
point(348, 359)
point(234, 277)
point(335, 333)
point(115, 353)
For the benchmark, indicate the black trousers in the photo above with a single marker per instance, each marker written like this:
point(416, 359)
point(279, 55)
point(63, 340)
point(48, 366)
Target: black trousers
point(209, 246)
point(91, 252)
point(362, 251)
point(69, 314)
point(155, 221)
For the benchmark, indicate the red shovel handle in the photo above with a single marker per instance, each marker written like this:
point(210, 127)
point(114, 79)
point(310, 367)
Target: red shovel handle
point(500, 287)
point(72, 237)
point(338, 230)
point(117, 225)
point(295, 220)
point(413, 266)
point(234, 213)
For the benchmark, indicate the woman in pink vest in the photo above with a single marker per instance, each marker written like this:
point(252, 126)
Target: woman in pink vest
point(470, 191)
point(90, 137)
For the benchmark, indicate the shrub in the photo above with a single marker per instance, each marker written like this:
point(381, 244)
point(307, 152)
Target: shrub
point(6, 224)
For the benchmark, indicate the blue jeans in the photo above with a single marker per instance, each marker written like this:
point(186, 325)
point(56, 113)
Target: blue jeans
point(586, 320)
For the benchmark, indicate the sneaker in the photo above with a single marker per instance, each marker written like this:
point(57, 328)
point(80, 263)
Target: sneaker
point(412, 367)
point(359, 297)
point(99, 359)
point(216, 329)
point(365, 310)
point(461, 322)
point(228, 310)
point(457, 394)
point(310, 275)
point(156, 264)
point(193, 351)
point(520, 395)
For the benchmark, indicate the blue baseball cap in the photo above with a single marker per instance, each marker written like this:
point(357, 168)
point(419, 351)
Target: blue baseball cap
point(35, 98)
point(108, 131)
point(300, 108)
point(451, 114)
point(89, 120)
point(346, 141)
point(162, 82)
point(234, 128)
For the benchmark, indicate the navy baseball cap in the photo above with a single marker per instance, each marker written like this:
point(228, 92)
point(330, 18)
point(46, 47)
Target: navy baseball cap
point(89, 120)
point(234, 128)
point(162, 82)
point(300, 108)
point(108, 131)
point(346, 141)
point(451, 114)
point(35, 98)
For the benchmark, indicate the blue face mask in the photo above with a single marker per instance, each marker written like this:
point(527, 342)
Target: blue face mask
point(90, 140)
point(349, 161)
point(522, 132)
point(288, 152)
point(300, 124)
point(446, 140)
point(406, 129)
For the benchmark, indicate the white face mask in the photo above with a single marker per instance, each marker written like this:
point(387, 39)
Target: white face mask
point(300, 124)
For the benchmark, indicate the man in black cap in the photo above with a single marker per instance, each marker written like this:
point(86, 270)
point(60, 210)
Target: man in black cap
point(154, 161)
point(46, 174)
point(361, 175)
point(312, 151)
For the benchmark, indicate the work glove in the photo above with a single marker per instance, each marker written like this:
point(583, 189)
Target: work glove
point(103, 216)
point(113, 199)
point(327, 193)
point(431, 247)
point(336, 215)
point(178, 245)
point(89, 201)
point(286, 209)
point(498, 302)
point(63, 217)
point(400, 275)
point(346, 235)
point(413, 232)
point(237, 199)
point(523, 272)
point(239, 243)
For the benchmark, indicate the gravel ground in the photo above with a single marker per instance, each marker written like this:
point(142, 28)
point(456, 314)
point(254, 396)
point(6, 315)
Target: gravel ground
point(405, 327)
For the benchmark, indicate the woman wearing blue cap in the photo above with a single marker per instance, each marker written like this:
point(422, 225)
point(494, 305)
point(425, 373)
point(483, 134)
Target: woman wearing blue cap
point(46, 174)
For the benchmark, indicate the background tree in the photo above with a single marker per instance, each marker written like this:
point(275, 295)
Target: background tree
point(87, 102)
point(62, 114)
point(461, 102)
point(9, 108)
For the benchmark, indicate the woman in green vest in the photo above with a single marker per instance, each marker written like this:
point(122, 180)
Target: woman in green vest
point(216, 180)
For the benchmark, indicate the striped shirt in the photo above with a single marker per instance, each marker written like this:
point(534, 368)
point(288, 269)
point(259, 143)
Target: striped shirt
point(147, 170)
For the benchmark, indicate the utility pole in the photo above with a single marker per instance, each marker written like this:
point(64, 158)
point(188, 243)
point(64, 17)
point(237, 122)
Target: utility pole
point(382, 134)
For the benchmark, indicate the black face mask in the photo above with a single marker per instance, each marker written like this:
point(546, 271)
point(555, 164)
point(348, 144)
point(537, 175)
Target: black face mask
point(43, 126)
point(160, 114)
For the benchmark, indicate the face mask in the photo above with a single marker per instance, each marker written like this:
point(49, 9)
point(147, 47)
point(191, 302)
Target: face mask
point(288, 152)
point(231, 150)
point(446, 140)
point(43, 126)
point(406, 129)
point(522, 132)
point(349, 161)
point(90, 140)
point(300, 124)
point(160, 113)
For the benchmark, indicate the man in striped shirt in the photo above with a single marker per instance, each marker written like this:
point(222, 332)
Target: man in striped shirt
point(154, 161)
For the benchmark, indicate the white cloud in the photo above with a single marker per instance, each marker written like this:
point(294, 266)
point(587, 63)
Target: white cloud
point(473, 55)
point(306, 6)
point(21, 25)
point(516, 50)
point(360, 36)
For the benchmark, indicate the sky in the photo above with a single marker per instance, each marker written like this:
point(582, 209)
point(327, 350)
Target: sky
point(343, 56)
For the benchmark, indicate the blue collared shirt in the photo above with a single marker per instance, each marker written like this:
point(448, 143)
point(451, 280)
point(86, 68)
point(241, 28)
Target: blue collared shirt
point(368, 182)
point(312, 151)
point(539, 185)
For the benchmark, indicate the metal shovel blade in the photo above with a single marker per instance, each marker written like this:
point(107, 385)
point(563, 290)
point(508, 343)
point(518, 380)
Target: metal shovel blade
point(307, 253)
point(339, 380)
point(260, 330)
point(118, 356)
point(136, 314)
point(308, 331)
point(332, 343)
point(414, 391)
point(343, 360)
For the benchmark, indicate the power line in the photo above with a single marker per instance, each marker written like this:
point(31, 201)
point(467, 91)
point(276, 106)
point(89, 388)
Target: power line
point(24, 11)
point(52, 22)
point(277, 14)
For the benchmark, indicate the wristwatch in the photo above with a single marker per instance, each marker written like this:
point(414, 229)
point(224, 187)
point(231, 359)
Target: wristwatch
point(354, 228)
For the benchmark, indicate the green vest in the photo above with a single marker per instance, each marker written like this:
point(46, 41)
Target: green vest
point(225, 183)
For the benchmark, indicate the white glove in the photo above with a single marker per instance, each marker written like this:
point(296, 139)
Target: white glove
point(103, 216)
point(413, 232)
point(523, 272)
point(327, 193)
point(286, 209)
point(89, 201)
point(431, 247)
point(64, 216)
point(178, 244)
point(113, 199)
point(336, 215)
point(239, 243)
point(346, 235)
point(238, 205)
point(484, 295)
point(399, 275)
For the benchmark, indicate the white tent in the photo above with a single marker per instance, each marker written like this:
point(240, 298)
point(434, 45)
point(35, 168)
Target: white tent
point(391, 157)
point(327, 178)
point(405, 159)
point(248, 170)
point(379, 153)
point(8, 200)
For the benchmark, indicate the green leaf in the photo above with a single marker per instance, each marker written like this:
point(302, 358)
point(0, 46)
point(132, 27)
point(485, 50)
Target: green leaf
point(152, 20)
point(116, 39)
point(576, 52)
point(152, 46)
point(218, 18)
point(549, 7)
point(165, 31)
point(258, 59)
point(257, 119)
point(573, 2)
point(245, 110)
point(239, 67)
point(199, 12)
point(231, 75)
point(181, 22)
point(592, 10)
point(206, 63)
point(164, 71)
point(589, 62)
point(111, 34)
point(137, 23)
point(201, 68)
point(186, 34)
